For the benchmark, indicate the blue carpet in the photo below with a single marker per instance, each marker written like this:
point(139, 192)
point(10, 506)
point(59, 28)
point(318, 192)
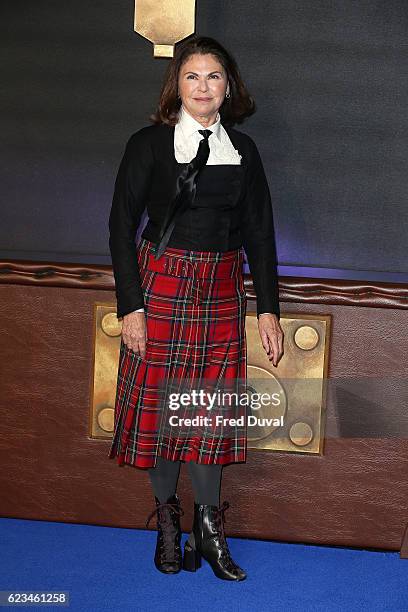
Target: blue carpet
point(112, 569)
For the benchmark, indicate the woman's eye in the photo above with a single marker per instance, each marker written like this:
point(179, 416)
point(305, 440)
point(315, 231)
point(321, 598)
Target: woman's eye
point(212, 76)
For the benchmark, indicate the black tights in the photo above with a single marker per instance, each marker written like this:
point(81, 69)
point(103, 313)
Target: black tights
point(206, 481)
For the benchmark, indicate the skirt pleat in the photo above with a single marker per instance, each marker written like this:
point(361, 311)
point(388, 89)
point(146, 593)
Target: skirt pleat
point(195, 307)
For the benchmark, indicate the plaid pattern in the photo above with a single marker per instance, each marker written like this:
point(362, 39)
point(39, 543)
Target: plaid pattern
point(195, 306)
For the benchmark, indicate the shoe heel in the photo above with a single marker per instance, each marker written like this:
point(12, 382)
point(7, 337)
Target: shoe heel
point(191, 558)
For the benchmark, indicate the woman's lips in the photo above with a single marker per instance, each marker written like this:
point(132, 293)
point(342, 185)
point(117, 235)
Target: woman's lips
point(202, 99)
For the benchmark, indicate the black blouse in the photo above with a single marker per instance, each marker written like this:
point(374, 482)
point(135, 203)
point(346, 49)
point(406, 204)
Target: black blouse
point(232, 209)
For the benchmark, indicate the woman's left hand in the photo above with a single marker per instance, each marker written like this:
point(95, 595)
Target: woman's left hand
point(271, 335)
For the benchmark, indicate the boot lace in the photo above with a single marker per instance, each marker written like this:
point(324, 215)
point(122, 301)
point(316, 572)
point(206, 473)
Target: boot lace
point(168, 530)
point(164, 516)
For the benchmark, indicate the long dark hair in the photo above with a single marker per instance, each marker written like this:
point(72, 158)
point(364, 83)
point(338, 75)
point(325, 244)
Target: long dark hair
point(234, 109)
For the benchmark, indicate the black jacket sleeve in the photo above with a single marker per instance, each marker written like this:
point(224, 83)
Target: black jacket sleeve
point(258, 236)
point(128, 204)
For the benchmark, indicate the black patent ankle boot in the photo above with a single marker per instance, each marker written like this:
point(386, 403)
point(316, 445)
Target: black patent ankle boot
point(168, 556)
point(210, 543)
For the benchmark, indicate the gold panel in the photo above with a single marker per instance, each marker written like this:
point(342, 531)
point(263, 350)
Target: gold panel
point(107, 332)
point(299, 383)
point(291, 418)
point(164, 23)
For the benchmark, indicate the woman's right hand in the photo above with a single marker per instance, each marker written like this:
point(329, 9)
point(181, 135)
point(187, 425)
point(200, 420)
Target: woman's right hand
point(134, 332)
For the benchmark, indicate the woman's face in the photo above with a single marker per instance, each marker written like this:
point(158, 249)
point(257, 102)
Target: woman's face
point(202, 85)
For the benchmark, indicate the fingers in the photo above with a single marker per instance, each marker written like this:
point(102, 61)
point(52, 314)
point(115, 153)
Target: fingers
point(265, 341)
point(142, 348)
point(273, 341)
point(280, 344)
point(138, 346)
point(134, 333)
point(272, 337)
point(270, 344)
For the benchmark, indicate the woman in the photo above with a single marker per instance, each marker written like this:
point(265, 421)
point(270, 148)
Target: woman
point(181, 294)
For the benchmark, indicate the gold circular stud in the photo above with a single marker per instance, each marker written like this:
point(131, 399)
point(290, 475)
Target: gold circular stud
point(306, 337)
point(106, 419)
point(111, 325)
point(300, 433)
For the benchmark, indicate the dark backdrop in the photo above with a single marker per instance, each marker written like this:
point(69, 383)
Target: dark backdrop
point(329, 79)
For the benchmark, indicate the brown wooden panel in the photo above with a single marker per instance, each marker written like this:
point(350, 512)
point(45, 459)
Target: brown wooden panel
point(355, 494)
point(291, 288)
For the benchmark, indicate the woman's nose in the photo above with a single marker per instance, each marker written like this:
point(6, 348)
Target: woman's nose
point(203, 85)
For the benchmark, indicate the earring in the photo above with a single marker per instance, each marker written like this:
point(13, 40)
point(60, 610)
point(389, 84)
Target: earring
point(228, 95)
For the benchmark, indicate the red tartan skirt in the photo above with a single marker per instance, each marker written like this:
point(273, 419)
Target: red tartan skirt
point(195, 307)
